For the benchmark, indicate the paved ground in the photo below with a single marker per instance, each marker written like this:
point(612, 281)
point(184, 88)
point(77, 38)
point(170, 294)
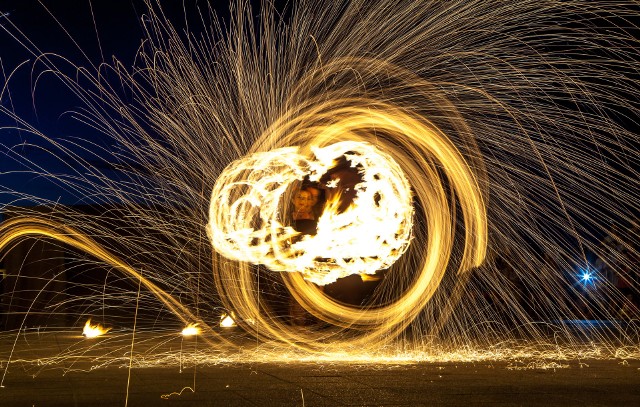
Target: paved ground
point(585, 383)
point(64, 369)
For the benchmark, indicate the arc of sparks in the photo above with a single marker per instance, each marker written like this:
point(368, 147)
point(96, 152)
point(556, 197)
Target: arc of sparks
point(420, 148)
point(13, 230)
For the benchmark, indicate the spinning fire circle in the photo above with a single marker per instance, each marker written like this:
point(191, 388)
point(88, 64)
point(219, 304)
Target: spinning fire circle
point(402, 159)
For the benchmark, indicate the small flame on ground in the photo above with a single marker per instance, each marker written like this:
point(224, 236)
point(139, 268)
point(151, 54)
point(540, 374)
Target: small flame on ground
point(93, 331)
point(191, 330)
point(226, 321)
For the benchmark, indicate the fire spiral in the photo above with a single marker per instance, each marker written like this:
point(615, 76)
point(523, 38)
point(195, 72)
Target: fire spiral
point(370, 235)
point(405, 160)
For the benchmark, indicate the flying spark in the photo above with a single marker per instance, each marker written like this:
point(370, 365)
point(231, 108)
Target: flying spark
point(494, 145)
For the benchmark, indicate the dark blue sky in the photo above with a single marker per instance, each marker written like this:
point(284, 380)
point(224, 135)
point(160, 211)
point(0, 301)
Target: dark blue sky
point(96, 31)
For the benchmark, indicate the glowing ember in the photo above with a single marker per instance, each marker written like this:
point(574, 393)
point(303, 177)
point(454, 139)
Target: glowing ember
point(191, 330)
point(226, 321)
point(485, 142)
point(93, 331)
point(369, 277)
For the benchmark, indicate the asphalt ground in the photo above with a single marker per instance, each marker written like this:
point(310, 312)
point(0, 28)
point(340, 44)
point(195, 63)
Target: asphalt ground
point(584, 383)
point(64, 370)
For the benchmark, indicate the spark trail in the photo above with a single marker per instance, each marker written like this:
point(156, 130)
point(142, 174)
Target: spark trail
point(514, 127)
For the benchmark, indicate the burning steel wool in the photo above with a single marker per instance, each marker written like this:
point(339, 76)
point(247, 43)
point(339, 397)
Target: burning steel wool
point(249, 204)
point(191, 330)
point(93, 331)
point(371, 234)
point(490, 147)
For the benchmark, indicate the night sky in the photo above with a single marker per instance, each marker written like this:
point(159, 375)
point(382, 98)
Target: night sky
point(96, 31)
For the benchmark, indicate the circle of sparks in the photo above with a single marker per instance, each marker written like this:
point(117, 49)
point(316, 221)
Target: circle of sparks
point(527, 100)
point(251, 191)
point(247, 221)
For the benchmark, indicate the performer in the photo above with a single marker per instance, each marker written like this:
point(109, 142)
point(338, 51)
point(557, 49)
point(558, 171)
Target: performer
point(303, 220)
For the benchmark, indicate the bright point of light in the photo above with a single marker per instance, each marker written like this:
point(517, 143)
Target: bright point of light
point(93, 331)
point(226, 321)
point(191, 330)
point(586, 276)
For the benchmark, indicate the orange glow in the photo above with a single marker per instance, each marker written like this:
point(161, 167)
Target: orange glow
point(370, 277)
point(370, 235)
point(249, 207)
point(93, 331)
point(18, 228)
point(191, 330)
point(226, 321)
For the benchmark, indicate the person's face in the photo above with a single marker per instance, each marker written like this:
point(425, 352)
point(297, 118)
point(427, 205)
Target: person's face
point(315, 195)
point(302, 201)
